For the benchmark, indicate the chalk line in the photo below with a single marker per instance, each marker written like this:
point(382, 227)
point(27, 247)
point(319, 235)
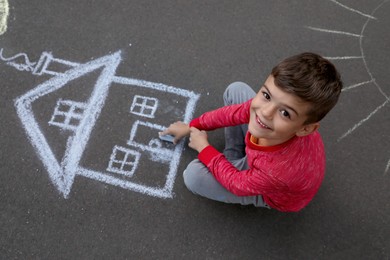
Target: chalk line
point(4, 11)
point(357, 85)
point(333, 31)
point(344, 58)
point(26, 66)
point(46, 59)
point(156, 86)
point(362, 51)
point(362, 121)
point(164, 192)
point(387, 167)
point(353, 10)
point(39, 142)
point(95, 104)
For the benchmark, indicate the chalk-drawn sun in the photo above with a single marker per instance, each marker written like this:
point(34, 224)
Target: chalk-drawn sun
point(374, 77)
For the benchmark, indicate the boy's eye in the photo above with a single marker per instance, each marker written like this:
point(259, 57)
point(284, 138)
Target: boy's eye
point(265, 94)
point(285, 113)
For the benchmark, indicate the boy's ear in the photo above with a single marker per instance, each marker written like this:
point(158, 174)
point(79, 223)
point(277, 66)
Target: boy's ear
point(308, 129)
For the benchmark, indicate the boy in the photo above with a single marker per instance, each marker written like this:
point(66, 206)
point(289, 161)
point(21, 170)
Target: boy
point(273, 157)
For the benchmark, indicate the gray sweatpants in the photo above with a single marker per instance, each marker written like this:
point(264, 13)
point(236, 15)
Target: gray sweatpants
point(198, 178)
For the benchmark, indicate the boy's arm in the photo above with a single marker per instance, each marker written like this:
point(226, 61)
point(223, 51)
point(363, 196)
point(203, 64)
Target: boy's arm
point(225, 116)
point(241, 183)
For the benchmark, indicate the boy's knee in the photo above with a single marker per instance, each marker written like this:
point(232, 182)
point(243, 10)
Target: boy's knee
point(191, 175)
point(237, 92)
point(234, 88)
point(188, 179)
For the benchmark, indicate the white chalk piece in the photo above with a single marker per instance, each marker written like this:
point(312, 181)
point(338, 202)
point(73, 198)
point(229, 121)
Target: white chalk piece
point(167, 138)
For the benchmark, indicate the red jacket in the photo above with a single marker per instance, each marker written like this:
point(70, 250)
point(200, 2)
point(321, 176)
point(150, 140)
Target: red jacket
point(287, 175)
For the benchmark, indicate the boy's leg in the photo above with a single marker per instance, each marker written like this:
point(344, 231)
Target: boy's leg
point(200, 181)
point(236, 93)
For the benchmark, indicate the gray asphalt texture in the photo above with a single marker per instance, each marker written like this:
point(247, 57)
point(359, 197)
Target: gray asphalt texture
point(199, 46)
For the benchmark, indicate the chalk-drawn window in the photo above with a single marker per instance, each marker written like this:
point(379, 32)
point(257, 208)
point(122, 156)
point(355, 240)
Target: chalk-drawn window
point(67, 114)
point(123, 161)
point(144, 106)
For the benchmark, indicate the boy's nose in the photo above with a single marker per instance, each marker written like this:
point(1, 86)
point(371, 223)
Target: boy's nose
point(268, 111)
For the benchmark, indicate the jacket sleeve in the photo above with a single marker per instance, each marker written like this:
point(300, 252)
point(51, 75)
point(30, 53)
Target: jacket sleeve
point(225, 116)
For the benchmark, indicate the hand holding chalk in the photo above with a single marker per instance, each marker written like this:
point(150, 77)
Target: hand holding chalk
point(178, 130)
point(198, 139)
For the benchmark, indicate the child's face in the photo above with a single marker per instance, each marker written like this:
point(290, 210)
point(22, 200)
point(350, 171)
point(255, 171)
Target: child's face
point(277, 116)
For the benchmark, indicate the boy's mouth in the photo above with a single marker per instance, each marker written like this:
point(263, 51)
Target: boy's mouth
point(261, 123)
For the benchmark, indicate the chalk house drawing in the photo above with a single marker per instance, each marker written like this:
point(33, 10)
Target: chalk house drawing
point(125, 158)
point(368, 18)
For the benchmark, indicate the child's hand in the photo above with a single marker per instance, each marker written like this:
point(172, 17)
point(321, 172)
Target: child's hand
point(178, 130)
point(198, 139)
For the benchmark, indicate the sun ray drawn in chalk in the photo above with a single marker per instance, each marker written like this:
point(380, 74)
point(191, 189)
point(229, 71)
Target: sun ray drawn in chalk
point(333, 31)
point(387, 167)
point(357, 85)
point(353, 10)
point(360, 36)
point(78, 117)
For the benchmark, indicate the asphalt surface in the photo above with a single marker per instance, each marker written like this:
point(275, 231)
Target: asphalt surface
point(65, 191)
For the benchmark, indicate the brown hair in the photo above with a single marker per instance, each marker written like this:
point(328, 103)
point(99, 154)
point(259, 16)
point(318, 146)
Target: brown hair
point(313, 79)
